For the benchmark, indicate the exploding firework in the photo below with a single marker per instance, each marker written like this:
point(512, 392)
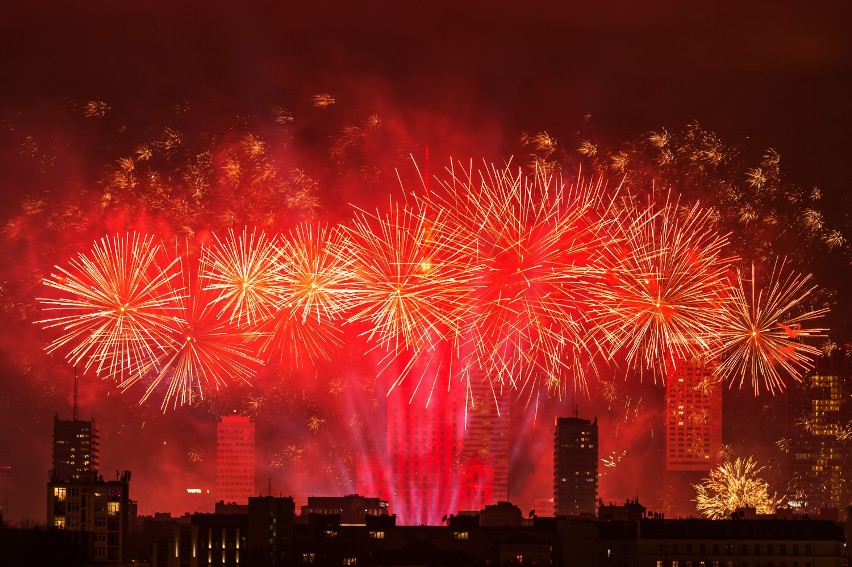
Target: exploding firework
point(761, 341)
point(412, 273)
point(114, 307)
point(662, 296)
point(243, 271)
point(314, 290)
point(735, 485)
point(534, 242)
point(203, 351)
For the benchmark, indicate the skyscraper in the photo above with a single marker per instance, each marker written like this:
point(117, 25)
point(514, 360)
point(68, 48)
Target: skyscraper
point(76, 447)
point(235, 459)
point(820, 418)
point(693, 418)
point(422, 431)
point(575, 466)
point(484, 446)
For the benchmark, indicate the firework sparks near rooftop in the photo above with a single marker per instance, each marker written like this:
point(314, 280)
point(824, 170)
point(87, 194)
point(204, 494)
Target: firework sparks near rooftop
point(114, 306)
point(762, 340)
point(735, 485)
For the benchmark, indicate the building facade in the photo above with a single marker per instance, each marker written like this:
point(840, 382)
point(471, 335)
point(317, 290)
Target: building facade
point(693, 417)
point(76, 449)
point(575, 466)
point(100, 509)
point(820, 429)
point(235, 459)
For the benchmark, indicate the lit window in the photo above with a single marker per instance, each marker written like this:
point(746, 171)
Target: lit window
point(59, 521)
point(112, 508)
point(350, 561)
point(59, 493)
point(377, 535)
point(461, 535)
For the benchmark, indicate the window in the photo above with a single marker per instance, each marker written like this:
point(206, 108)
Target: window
point(309, 558)
point(381, 535)
point(112, 508)
point(59, 493)
point(59, 521)
point(350, 561)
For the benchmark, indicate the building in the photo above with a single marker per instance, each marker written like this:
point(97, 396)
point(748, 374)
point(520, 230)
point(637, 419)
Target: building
point(352, 509)
point(76, 448)
point(5, 488)
point(819, 422)
point(423, 427)
point(269, 536)
point(484, 451)
point(235, 461)
point(693, 418)
point(101, 509)
point(575, 466)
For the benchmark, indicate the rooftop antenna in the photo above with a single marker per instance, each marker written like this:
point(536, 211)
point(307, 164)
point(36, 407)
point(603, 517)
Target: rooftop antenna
point(75, 392)
point(269, 485)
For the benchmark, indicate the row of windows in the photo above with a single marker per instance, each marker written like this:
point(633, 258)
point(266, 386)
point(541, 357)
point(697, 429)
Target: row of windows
point(757, 548)
point(690, 563)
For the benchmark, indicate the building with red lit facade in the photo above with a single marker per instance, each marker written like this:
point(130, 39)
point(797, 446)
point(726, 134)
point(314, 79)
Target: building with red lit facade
point(235, 459)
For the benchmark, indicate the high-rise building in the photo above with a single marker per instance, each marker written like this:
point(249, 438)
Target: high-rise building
point(76, 447)
point(820, 420)
point(575, 466)
point(235, 461)
point(5, 482)
point(484, 446)
point(693, 417)
point(422, 441)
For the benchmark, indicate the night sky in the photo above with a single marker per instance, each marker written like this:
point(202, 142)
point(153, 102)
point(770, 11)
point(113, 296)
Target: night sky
point(462, 79)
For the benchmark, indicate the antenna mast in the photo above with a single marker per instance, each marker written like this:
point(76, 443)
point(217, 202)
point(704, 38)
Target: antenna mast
point(75, 392)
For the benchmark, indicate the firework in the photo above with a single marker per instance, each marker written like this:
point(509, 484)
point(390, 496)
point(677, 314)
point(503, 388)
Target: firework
point(534, 240)
point(413, 277)
point(663, 294)
point(243, 271)
point(202, 351)
point(735, 485)
point(114, 307)
point(314, 289)
point(762, 340)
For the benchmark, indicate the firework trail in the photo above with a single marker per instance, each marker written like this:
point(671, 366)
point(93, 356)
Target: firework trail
point(114, 306)
point(314, 291)
point(534, 243)
point(761, 340)
point(735, 485)
point(203, 351)
point(243, 270)
point(663, 295)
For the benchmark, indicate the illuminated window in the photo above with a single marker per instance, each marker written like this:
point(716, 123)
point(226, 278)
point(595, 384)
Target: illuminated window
point(377, 535)
point(350, 561)
point(461, 535)
point(59, 493)
point(112, 508)
point(309, 558)
point(59, 521)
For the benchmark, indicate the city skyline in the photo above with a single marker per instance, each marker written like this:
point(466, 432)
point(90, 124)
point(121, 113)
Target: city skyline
point(196, 138)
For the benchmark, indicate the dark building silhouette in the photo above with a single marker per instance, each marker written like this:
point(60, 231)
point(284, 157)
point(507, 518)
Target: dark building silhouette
point(352, 509)
point(575, 467)
point(269, 535)
point(76, 448)
point(101, 509)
